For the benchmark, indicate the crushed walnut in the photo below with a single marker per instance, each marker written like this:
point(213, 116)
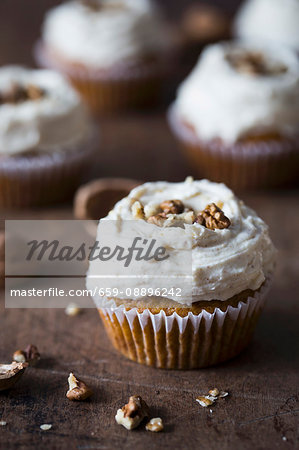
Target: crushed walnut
point(172, 207)
point(254, 63)
point(158, 219)
point(137, 210)
point(171, 213)
point(10, 374)
point(20, 93)
point(45, 427)
point(213, 217)
point(155, 425)
point(95, 5)
point(72, 310)
point(132, 414)
point(30, 355)
point(212, 396)
point(78, 390)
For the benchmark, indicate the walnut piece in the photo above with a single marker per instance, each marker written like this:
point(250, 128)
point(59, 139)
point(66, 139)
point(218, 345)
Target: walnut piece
point(95, 5)
point(155, 425)
point(72, 310)
point(213, 217)
point(158, 219)
point(78, 390)
point(213, 395)
point(45, 426)
point(18, 93)
point(19, 356)
point(137, 210)
point(10, 373)
point(172, 207)
point(214, 392)
point(205, 401)
point(254, 63)
point(32, 355)
point(132, 414)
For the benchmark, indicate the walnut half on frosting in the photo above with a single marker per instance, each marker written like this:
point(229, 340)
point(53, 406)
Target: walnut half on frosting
point(213, 217)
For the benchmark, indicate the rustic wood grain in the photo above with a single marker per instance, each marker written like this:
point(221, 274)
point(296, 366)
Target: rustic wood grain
point(263, 407)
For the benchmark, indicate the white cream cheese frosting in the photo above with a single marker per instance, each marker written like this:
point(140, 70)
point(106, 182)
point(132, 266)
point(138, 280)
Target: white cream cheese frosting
point(223, 262)
point(118, 31)
point(273, 21)
point(51, 122)
point(219, 101)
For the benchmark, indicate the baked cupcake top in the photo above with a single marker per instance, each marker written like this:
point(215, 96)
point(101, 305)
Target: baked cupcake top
point(238, 90)
point(39, 111)
point(229, 245)
point(104, 33)
point(269, 20)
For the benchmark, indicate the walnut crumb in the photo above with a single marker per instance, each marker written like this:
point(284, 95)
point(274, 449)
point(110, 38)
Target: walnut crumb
point(32, 355)
point(132, 414)
point(205, 401)
point(172, 206)
point(18, 93)
point(213, 218)
point(46, 427)
point(214, 392)
point(78, 390)
point(158, 219)
point(254, 63)
point(19, 356)
point(137, 210)
point(72, 310)
point(213, 395)
point(155, 425)
point(223, 394)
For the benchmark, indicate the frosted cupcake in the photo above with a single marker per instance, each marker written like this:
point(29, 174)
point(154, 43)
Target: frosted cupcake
point(272, 21)
point(231, 264)
point(45, 137)
point(237, 113)
point(114, 51)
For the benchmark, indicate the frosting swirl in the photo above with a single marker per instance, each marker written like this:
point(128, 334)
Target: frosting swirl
point(220, 99)
point(269, 20)
point(225, 261)
point(117, 31)
point(39, 111)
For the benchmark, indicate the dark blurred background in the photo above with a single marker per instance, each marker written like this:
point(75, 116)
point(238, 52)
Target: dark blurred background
point(20, 23)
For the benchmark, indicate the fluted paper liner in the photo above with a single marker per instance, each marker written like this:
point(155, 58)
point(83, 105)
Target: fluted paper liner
point(243, 165)
point(114, 90)
point(175, 342)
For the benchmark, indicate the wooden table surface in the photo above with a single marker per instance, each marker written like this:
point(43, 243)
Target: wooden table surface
point(262, 409)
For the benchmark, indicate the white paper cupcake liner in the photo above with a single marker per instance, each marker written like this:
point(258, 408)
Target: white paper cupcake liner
point(193, 341)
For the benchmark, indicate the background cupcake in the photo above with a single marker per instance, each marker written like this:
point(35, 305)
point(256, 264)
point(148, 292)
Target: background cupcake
point(231, 263)
point(271, 21)
point(237, 115)
point(115, 52)
point(45, 137)
point(202, 24)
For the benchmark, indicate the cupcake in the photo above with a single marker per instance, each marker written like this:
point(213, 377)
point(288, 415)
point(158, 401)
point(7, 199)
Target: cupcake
point(115, 52)
point(272, 21)
point(46, 139)
point(217, 271)
point(236, 115)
